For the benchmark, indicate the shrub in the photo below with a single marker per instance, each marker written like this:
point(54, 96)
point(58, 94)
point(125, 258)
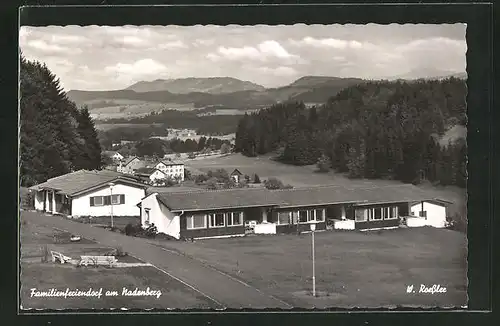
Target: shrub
point(256, 178)
point(324, 163)
point(274, 184)
point(118, 252)
point(212, 184)
point(27, 200)
point(133, 230)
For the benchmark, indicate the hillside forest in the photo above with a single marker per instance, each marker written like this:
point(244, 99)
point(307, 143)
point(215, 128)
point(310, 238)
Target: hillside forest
point(377, 129)
point(55, 136)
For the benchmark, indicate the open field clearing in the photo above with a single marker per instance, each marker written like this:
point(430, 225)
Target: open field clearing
point(43, 276)
point(109, 126)
point(303, 176)
point(369, 269)
point(134, 110)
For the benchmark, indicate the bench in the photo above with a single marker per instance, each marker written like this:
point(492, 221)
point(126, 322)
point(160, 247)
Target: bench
point(57, 256)
point(98, 260)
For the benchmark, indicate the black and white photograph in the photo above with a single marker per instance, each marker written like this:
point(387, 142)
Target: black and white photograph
point(212, 167)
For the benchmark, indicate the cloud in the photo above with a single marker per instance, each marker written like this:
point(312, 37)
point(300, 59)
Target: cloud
point(264, 51)
point(111, 57)
point(139, 68)
point(327, 43)
point(172, 45)
point(279, 71)
point(50, 48)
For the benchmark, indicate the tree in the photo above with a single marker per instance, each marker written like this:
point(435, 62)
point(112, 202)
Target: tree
point(50, 141)
point(151, 147)
point(324, 164)
point(256, 178)
point(225, 148)
point(91, 151)
point(274, 184)
point(212, 184)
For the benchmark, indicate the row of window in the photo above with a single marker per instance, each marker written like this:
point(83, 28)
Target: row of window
point(107, 200)
point(215, 220)
point(301, 216)
point(376, 214)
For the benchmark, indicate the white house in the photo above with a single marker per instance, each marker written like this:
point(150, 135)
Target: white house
point(172, 169)
point(428, 213)
point(225, 213)
point(236, 175)
point(153, 211)
point(115, 156)
point(130, 165)
point(151, 175)
point(90, 193)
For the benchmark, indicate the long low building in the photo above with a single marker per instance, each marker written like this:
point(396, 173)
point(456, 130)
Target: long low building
point(90, 193)
point(223, 213)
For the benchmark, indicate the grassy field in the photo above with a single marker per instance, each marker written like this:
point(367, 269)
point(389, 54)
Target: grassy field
point(43, 276)
point(109, 126)
point(369, 269)
point(133, 109)
point(303, 176)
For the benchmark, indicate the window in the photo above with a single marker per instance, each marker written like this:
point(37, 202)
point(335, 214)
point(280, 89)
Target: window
point(375, 214)
point(234, 218)
point(146, 215)
point(115, 199)
point(196, 222)
point(392, 213)
point(422, 213)
point(361, 215)
point(320, 215)
point(303, 216)
point(284, 218)
point(97, 201)
point(216, 220)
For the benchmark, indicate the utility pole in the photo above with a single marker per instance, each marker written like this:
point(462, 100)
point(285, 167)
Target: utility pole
point(111, 202)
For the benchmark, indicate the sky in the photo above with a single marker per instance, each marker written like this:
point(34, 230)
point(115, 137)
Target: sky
point(109, 58)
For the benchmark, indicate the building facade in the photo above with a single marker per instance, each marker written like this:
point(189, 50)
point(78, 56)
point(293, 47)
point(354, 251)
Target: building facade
point(89, 193)
point(223, 213)
point(172, 169)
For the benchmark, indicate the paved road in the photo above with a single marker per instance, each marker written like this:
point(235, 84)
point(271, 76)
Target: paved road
point(222, 289)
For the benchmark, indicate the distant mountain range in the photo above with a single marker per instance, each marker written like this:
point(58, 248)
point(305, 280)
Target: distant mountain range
point(214, 85)
point(224, 92)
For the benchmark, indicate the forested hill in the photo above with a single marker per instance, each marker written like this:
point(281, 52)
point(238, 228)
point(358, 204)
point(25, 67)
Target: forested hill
point(56, 136)
point(375, 130)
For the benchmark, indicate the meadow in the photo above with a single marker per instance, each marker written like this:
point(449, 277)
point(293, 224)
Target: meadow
point(42, 275)
point(353, 268)
point(304, 176)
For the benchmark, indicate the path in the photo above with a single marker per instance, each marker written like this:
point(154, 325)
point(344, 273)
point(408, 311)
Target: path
point(220, 288)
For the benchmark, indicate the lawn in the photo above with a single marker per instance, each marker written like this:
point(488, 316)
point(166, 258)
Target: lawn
point(47, 275)
point(369, 269)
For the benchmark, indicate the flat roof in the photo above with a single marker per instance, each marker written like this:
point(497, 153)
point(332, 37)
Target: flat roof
point(296, 197)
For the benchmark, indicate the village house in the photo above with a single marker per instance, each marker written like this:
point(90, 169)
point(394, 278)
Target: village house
point(224, 213)
point(172, 169)
point(236, 175)
point(89, 193)
point(151, 176)
point(130, 165)
point(115, 156)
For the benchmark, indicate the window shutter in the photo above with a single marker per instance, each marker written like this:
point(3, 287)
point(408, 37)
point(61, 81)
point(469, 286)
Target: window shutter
point(122, 199)
point(91, 201)
point(107, 200)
